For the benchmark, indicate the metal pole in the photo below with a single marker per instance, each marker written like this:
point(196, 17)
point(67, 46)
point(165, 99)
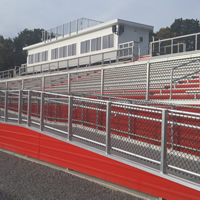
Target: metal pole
point(29, 109)
point(6, 107)
point(148, 82)
point(171, 84)
point(102, 82)
point(77, 26)
point(42, 111)
point(22, 84)
point(69, 83)
point(171, 46)
point(70, 116)
point(43, 83)
point(196, 42)
point(163, 166)
point(108, 128)
point(20, 107)
point(69, 28)
point(63, 30)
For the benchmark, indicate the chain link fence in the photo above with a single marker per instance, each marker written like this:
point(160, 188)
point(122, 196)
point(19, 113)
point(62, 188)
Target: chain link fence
point(135, 131)
point(56, 113)
point(183, 153)
point(89, 121)
point(164, 139)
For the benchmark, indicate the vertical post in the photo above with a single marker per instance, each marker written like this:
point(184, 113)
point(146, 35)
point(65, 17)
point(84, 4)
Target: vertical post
point(69, 28)
point(159, 47)
point(108, 127)
point(6, 107)
point(69, 83)
point(63, 30)
point(20, 107)
point(89, 60)
point(102, 82)
point(6, 85)
point(102, 62)
point(195, 42)
point(77, 26)
point(70, 116)
point(171, 84)
point(172, 129)
point(56, 32)
point(43, 83)
point(87, 23)
point(148, 82)
point(50, 34)
point(163, 165)
point(42, 111)
point(22, 84)
point(172, 46)
point(29, 109)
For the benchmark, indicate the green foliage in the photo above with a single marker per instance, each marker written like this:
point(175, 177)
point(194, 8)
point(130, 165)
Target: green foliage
point(6, 53)
point(11, 50)
point(184, 27)
point(179, 27)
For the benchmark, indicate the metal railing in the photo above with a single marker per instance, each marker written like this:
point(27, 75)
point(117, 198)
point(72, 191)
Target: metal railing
point(163, 139)
point(142, 80)
point(125, 51)
point(183, 76)
point(173, 45)
point(68, 28)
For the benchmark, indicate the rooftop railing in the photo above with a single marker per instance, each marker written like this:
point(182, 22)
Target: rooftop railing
point(68, 28)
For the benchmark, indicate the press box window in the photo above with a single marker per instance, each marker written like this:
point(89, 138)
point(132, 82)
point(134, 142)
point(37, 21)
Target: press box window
point(37, 57)
point(96, 44)
point(141, 39)
point(72, 50)
point(44, 56)
point(54, 53)
point(108, 41)
point(63, 52)
point(85, 46)
point(30, 59)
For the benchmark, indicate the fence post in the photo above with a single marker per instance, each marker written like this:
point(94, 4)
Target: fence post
point(42, 111)
point(70, 116)
point(102, 82)
point(163, 165)
point(43, 83)
point(148, 81)
point(29, 109)
point(171, 83)
point(6, 107)
point(20, 107)
point(23, 84)
point(69, 83)
point(108, 127)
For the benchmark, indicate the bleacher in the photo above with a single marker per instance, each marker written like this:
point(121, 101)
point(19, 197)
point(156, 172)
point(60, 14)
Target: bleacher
point(139, 93)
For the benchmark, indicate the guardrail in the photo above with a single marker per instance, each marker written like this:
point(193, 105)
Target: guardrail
point(164, 139)
point(173, 45)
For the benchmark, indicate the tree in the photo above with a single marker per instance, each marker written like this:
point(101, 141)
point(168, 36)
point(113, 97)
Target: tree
point(25, 38)
point(184, 27)
point(164, 33)
point(6, 53)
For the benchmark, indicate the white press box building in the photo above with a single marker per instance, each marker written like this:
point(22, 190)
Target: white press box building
point(85, 42)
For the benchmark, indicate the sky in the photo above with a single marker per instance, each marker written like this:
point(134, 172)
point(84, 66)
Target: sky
point(16, 15)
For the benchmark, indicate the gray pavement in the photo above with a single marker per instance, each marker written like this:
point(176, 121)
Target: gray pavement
point(22, 179)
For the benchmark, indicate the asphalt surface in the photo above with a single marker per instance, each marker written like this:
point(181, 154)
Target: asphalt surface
point(22, 179)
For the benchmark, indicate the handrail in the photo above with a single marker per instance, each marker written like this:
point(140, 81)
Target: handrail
point(131, 56)
point(185, 76)
point(110, 108)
